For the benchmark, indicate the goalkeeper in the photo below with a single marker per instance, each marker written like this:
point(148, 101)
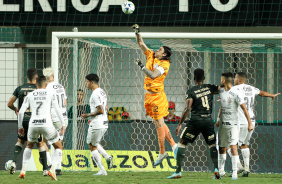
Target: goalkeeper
point(156, 103)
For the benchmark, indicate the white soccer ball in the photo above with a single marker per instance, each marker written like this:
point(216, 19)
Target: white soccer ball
point(9, 163)
point(128, 7)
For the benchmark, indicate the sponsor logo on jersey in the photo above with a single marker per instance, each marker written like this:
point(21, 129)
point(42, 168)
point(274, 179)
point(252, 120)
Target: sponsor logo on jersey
point(247, 88)
point(39, 121)
point(40, 93)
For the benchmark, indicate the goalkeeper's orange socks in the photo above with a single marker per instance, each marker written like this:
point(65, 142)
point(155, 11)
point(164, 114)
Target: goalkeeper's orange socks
point(168, 136)
point(161, 139)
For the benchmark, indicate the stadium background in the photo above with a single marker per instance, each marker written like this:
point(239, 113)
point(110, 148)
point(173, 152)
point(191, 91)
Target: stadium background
point(25, 42)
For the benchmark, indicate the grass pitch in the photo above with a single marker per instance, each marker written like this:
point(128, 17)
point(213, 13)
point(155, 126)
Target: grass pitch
point(136, 178)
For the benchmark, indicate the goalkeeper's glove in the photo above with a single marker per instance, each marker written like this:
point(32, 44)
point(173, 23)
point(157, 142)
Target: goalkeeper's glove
point(135, 27)
point(139, 63)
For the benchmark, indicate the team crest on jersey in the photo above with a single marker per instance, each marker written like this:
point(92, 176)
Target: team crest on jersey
point(229, 99)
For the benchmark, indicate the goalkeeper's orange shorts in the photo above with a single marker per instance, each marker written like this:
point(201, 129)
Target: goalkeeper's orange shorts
point(156, 105)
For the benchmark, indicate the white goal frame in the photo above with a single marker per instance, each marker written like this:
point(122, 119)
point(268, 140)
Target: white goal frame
point(150, 35)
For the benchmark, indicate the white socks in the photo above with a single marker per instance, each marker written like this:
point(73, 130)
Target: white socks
point(230, 154)
point(103, 152)
point(49, 160)
point(98, 160)
point(221, 162)
point(246, 158)
point(59, 166)
point(235, 160)
point(56, 158)
point(26, 157)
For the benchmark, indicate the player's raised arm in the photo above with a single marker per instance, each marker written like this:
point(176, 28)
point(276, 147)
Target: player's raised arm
point(245, 110)
point(266, 94)
point(152, 74)
point(139, 38)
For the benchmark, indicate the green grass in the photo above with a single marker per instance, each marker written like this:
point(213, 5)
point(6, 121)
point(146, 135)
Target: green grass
point(136, 178)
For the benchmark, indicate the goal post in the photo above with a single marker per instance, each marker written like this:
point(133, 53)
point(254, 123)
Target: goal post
point(111, 55)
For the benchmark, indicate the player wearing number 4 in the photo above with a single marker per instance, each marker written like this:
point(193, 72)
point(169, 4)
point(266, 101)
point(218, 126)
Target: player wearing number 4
point(199, 102)
point(98, 123)
point(40, 101)
point(156, 103)
point(20, 93)
point(61, 97)
point(249, 93)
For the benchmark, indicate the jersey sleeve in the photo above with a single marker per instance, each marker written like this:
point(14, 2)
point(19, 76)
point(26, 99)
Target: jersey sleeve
point(214, 88)
point(239, 98)
point(97, 100)
point(16, 92)
point(149, 53)
point(256, 91)
point(164, 67)
point(188, 95)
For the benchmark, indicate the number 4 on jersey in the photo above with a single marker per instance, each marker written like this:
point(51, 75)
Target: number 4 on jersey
point(205, 102)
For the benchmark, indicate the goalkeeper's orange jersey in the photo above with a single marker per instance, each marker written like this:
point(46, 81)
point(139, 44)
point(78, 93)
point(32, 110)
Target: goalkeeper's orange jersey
point(155, 85)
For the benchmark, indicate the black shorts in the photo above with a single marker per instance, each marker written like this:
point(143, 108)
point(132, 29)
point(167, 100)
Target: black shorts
point(195, 127)
point(25, 126)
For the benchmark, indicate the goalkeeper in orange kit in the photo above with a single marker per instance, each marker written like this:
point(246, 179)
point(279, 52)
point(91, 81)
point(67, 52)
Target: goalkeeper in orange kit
point(156, 103)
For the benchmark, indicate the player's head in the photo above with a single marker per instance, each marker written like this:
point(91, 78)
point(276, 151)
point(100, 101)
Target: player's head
point(80, 95)
point(240, 78)
point(226, 78)
point(171, 108)
point(163, 52)
point(92, 80)
point(41, 82)
point(199, 75)
point(31, 74)
point(49, 74)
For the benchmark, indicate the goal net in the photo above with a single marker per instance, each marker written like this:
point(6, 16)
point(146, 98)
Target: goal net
point(133, 143)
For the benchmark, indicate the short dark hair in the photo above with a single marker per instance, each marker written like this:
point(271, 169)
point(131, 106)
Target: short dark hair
point(80, 90)
point(242, 75)
point(92, 77)
point(40, 80)
point(31, 73)
point(167, 51)
point(199, 75)
point(228, 76)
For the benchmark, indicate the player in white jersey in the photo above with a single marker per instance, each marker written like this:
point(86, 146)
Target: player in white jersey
point(98, 123)
point(61, 97)
point(249, 93)
point(40, 102)
point(228, 133)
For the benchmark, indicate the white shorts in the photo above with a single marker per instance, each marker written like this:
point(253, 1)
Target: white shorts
point(228, 135)
point(49, 133)
point(248, 135)
point(58, 126)
point(243, 134)
point(95, 136)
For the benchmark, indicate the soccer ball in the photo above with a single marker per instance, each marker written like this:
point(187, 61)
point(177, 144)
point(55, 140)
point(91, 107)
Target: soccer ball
point(128, 7)
point(10, 163)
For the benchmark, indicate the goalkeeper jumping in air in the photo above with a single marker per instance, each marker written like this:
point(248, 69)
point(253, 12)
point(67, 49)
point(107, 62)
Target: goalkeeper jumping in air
point(156, 104)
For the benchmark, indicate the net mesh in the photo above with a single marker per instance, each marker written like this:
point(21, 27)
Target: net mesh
point(133, 143)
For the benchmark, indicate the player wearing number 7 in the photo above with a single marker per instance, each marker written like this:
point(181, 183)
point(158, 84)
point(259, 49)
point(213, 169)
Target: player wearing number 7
point(40, 101)
point(156, 103)
point(199, 101)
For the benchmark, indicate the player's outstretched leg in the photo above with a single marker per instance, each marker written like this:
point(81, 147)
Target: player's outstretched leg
point(161, 138)
point(179, 161)
point(98, 160)
point(169, 138)
point(26, 157)
point(109, 158)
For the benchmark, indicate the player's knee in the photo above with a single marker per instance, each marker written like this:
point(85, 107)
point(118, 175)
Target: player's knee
point(222, 150)
point(19, 144)
point(183, 142)
point(21, 141)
